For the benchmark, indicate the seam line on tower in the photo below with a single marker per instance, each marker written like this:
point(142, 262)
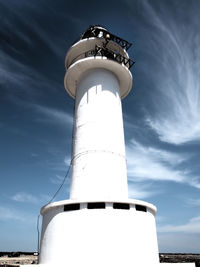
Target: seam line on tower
point(97, 151)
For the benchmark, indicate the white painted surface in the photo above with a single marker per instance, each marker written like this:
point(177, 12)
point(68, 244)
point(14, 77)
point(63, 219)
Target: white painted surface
point(99, 237)
point(99, 163)
point(78, 68)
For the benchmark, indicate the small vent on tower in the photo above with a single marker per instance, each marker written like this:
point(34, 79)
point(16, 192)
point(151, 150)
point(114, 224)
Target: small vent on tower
point(121, 206)
point(141, 208)
point(96, 205)
point(70, 207)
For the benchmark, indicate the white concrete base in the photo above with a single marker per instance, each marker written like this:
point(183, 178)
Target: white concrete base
point(99, 237)
point(121, 234)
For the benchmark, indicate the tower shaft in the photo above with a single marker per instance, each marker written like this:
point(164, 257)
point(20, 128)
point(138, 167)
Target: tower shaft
point(99, 164)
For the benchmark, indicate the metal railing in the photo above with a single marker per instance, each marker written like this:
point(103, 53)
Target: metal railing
point(102, 33)
point(105, 52)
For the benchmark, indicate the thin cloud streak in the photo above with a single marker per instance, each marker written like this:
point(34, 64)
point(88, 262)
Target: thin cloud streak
point(58, 164)
point(193, 226)
point(7, 214)
point(148, 163)
point(54, 115)
point(141, 191)
point(176, 118)
point(20, 75)
point(58, 179)
point(24, 197)
point(193, 202)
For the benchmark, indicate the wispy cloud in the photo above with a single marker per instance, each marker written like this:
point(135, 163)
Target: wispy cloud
point(13, 214)
point(54, 115)
point(62, 167)
point(151, 163)
point(19, 75)
point(58, 164)
point(176, 84)
point(58, 179)
point(193, 202)
point(193, 226)
point(34, 155)
point(29, 198)
point(141, 191)
point(6, 213)
point(67, 161)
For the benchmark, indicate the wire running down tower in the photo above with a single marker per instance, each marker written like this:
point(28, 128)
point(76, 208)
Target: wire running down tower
point(99, 226)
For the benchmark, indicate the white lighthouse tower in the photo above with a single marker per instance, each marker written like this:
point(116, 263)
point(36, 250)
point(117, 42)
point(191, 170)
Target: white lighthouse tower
point(99, 226)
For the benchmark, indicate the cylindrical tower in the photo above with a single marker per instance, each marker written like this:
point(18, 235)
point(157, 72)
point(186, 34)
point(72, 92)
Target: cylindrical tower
point(98, 226)
point(98, 77)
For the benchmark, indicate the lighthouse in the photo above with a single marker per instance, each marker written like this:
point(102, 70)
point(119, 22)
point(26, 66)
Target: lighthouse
point(98, 226)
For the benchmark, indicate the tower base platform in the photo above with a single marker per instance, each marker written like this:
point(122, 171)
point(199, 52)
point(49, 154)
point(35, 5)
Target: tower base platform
point(100, 234)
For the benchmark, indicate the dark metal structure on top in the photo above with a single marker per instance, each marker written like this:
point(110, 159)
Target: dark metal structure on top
point(104, 48)
point(100, 32)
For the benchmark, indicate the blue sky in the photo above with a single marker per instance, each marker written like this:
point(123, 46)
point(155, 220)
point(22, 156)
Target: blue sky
point(161, 113)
